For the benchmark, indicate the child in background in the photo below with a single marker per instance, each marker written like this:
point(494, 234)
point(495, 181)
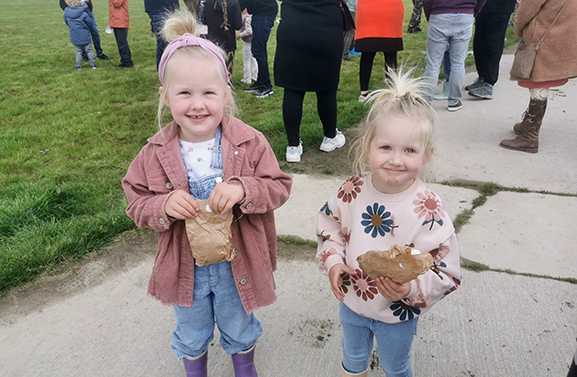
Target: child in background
point(240, 174)
point(79, 26)
point(250, 67)
point(381, 207)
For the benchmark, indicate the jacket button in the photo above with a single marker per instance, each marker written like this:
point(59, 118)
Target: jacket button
point(169, 185)
point(235, 252)
point(249, 205)
point(236, 153)
point(218, 179)
point(161, 221)
point(243, 282)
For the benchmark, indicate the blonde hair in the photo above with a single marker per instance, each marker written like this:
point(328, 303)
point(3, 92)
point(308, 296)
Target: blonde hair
point(404, 97)
point(73, 3)
point(177, 24)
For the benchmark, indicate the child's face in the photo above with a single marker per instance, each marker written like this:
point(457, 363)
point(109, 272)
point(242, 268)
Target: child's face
point(196, 98)
point(396, 154)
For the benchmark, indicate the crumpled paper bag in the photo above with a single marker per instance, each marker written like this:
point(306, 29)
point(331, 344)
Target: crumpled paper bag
point(209, 236)
point(400, 263)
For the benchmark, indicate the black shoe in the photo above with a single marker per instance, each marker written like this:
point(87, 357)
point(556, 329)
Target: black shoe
point(252, 88)
point(414, 31)
point(103, 57)
point(264, 93)
point(348, 59)
point(124, 66)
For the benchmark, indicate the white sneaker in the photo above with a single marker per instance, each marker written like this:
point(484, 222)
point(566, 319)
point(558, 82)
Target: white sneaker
point(246, 81)
point(329, 145)
point(293, 154)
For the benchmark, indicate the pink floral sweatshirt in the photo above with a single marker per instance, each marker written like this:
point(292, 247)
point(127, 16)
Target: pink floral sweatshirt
point(359, 218)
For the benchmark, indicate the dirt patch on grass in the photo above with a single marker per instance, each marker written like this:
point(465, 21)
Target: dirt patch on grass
point(318, 163)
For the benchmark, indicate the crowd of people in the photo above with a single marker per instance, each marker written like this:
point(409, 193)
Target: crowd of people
point(208, 167)
point(311, 32)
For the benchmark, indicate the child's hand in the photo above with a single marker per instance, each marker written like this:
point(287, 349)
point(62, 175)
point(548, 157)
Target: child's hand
point(181, 205)
point(225, 195)
point(336, 280)
point(391, 290)
point(237, 37)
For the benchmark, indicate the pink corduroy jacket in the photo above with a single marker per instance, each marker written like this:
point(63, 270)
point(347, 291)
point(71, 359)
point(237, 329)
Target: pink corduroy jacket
point(159, 170)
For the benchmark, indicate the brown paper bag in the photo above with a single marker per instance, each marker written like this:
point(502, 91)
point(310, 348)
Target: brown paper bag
point(209, 236)
point(396, 263)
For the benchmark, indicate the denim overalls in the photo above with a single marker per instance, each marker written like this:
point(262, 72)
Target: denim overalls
point(215, 294)
point(200, 189)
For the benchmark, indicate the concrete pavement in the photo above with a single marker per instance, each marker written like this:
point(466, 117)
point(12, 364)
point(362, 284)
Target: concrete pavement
point(96, 320)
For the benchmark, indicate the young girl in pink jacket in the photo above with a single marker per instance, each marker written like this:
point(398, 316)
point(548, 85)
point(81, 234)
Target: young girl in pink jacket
point(207, 154)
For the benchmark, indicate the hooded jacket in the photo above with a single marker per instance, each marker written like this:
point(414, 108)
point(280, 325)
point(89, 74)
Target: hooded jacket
point(78, 25)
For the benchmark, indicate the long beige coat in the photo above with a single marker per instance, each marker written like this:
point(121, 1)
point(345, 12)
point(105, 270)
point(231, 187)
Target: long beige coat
point(557, 55)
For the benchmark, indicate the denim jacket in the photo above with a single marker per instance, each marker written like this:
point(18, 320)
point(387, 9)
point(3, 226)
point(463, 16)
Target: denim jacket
point(159, 170)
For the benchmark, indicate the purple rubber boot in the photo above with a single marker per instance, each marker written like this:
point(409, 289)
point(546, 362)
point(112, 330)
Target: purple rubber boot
point(243, 363)
point(196, 367)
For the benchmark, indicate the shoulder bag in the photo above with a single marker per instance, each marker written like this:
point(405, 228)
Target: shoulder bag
point(526, 52)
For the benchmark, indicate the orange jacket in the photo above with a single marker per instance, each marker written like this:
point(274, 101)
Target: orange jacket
point(379, 19)
point(118, 13)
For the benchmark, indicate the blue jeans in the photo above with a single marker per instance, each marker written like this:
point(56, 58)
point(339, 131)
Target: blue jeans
point(94, 34)
point(394, 342)
point(450, 31)
point(215, 298)
point(261, 27)
point(157, 21)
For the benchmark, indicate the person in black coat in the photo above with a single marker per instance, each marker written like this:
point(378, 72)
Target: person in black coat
point(308, 59)
point(223, 18)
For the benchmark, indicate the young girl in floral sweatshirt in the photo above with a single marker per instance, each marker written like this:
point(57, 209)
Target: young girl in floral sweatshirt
point(387, 204)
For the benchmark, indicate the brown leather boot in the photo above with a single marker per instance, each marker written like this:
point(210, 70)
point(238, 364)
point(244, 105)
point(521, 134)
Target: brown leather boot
point(534, 108)
point(528, 139)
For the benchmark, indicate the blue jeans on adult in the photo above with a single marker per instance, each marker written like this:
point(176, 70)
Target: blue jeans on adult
point(156, 20)
point(261, 27)
point(215, 297)
point(450, 31)
point(394, 342)
point(94, 34)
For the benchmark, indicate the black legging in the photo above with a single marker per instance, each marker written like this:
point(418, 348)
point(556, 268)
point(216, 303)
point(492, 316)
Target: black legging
point(292, 113)
point(367, 66)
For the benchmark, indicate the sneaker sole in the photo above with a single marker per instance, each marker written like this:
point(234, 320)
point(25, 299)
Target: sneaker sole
point(264, 96)
point(453, 109)
point(331, 149)
point(479, 96)
point(297, 159)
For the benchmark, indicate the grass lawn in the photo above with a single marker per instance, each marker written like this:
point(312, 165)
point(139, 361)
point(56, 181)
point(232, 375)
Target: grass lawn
point(67, 137)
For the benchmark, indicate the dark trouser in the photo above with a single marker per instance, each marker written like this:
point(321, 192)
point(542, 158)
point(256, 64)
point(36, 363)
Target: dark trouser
point(261, 27)
point(292, 113)
point(94, 34)
point(366, 66)
point(121, 36)
point(156, 20)
point(349, 37)
point(488, 43)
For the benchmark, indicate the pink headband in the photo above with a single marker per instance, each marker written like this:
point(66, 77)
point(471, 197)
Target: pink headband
point(189, 40)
